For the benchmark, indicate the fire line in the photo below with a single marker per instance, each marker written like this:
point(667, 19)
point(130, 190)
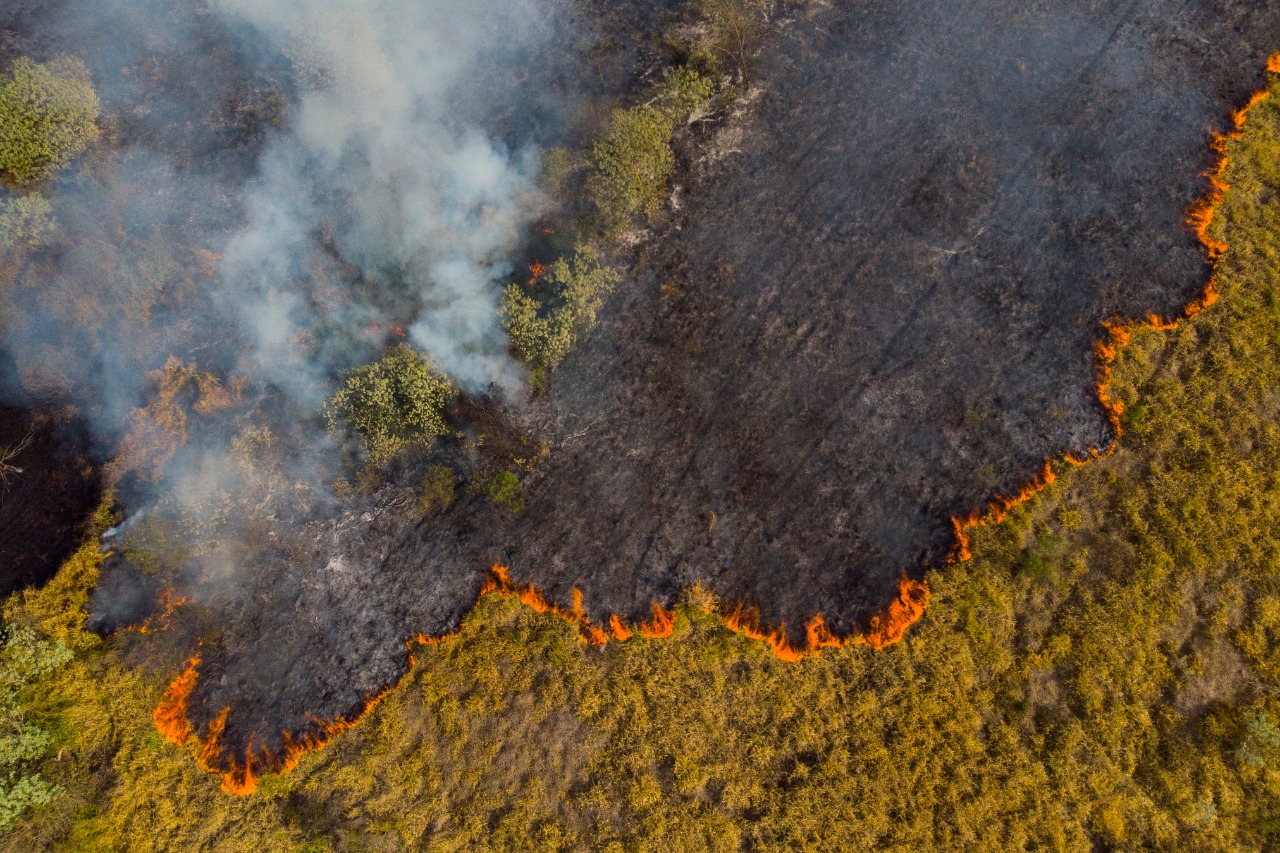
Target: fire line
point(241, 772)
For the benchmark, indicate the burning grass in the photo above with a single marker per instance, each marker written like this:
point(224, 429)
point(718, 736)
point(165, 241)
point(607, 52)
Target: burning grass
point(241, 772)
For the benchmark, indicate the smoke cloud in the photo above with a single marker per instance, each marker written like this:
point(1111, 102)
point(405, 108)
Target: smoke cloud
point(282, 190)
point(386, 160)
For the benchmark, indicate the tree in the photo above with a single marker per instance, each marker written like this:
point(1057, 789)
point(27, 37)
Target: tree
point(48, 114)
point(734, 30)
point(542, 334)
point(24, 658)
point(395, 402)
point(631, 166)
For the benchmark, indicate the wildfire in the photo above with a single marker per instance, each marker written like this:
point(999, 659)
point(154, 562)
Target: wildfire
point(1117, 333)
point(376, 328)
point(499, 581)
point(240, 773)
point(536, 269)
point(170, 716)
point(166, 603)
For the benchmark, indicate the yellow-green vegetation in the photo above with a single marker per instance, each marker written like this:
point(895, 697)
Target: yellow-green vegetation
point(731, 33)
point(48, 114)
point(1104, 674)
point(25, 659)
point(24, 221)
point(397, 402)
point(502, 487)
point(633, 162)
point(437, 492)
point(544, 329)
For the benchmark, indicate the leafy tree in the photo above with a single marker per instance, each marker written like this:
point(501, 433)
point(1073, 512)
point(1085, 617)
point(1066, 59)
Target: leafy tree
point(683, 94)
point(48, 114)
point(24, 220)
point(393, 403)
point(734, 28)
point(631, 166)
point(542, 334)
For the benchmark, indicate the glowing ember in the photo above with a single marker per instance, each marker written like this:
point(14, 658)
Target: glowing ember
point(166, 603)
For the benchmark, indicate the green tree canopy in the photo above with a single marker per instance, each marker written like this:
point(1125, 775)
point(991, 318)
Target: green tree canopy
point(397, 401)
point(542, 333)
point(48, 114)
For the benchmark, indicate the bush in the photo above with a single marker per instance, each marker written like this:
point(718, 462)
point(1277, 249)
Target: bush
point(734, 28)
point(24, 220)
point(684, 94)
point(24, 659)
point(542, 334)
point(631, 166)
point(396, 402)
point(503, 488)
point(437, 490)
point(48, 114)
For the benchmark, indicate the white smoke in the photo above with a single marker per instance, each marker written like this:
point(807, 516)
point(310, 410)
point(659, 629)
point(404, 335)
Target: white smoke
point(385, 158)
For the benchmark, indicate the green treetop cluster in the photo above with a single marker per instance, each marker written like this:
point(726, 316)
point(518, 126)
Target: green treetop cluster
point(633, 162)
point(543, 332)
point(48, 114)
point(395, 402)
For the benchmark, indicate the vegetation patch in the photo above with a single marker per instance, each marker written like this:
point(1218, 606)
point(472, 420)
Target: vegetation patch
point(398, 401)
point(48, 115)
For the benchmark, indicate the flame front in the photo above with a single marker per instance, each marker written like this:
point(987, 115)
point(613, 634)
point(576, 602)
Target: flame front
point(170, 716)
point(241, 772)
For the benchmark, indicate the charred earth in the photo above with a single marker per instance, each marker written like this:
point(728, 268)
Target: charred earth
point(874, 306)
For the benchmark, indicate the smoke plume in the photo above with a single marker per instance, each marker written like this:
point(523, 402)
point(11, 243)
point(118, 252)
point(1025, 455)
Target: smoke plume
point(385, 158)
point(283, 189)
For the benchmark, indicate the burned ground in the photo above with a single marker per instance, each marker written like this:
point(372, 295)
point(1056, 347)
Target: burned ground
point(875, 315)
point(869, 318)
point(49, 484)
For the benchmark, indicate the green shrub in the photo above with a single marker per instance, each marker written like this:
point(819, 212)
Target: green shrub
point(437, 490)
point(48, 114)
point(542, 334)
point(394, 403)
point(631, 166)
point(24, 220)
point(502, 487)
point(557, 166)
point(24, 659)
point(733, 31)
point(683, 94)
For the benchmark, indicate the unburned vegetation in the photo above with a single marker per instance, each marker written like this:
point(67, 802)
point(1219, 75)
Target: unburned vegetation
point(1102, 674)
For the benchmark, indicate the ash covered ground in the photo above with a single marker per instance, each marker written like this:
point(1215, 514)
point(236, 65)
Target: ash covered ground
point(873, 308)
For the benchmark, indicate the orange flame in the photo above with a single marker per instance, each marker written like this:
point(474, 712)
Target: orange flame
point(170, 715)
point(166, 603)
point(1117, 333)
point(240, 774)
point(536, 269)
